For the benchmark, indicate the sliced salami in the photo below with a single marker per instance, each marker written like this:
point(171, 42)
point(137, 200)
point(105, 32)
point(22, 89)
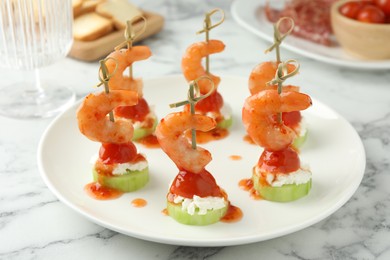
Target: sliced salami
point(312, 19)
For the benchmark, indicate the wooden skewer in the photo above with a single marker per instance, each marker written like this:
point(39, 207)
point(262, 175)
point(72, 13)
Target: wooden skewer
point(207, 26)
point(192, 98)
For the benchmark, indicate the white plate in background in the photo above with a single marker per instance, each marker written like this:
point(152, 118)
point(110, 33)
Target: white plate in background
point(250, 15)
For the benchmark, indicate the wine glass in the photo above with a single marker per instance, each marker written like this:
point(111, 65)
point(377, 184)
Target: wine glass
point(34, 33)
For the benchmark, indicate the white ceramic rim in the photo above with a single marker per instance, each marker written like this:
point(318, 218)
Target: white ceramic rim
point(224, 239)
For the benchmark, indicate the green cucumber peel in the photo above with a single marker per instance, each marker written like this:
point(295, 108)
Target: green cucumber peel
point(300, 140)
point(225, 123)
point(285, 193)
point(128, 182)
point(141, 132)
point(182, 216)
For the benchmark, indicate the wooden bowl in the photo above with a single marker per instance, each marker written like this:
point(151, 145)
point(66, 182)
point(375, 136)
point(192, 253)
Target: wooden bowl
point(363, 40)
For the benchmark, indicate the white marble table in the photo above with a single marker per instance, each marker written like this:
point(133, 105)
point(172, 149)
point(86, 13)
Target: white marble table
point(35, 225)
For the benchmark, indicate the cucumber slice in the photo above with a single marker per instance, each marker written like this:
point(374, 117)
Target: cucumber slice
point(128, 182)
point(285, 193)
point(182, 216)
point(299, 140)
point(141, 132)
point(226, 123)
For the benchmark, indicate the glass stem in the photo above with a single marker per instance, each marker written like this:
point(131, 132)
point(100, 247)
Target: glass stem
point(34, 91)
point(38, 83)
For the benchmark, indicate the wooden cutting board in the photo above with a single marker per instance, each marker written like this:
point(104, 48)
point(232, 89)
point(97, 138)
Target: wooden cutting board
point(99, 48)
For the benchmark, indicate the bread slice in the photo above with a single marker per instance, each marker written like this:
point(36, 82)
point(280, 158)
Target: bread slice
point(119, 11)
point(91, 26)
point(76, 6)
point(90, 6)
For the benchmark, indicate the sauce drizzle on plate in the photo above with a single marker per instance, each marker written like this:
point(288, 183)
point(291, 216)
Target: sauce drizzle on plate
point(99, 192)
point(139, 203)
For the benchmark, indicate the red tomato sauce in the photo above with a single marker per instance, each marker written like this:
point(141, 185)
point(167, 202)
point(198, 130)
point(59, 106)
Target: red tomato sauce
point(233, 214)
point(247, 185)
point(137, 112)
point(139, 203)
point(164, 212)
point(235, 157)
point(110, 153)
point(283, 161)
point(188, 184)
point(212, 135)
point(149, 141)
point(99, 192)
point(263, 179)
point(292, 119)
point(106, 169)
point(254, 194)
point(212, 103)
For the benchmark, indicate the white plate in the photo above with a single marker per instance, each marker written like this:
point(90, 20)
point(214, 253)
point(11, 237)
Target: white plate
point(333, 150)
point(249, 14)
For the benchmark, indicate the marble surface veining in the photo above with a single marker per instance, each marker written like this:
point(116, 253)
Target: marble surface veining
point(35, 225)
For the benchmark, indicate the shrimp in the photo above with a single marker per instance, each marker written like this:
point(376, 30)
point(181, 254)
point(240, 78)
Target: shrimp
point(259, 116)
point(94, 123)
point(170, 133)
point(265, 72)
point(191, 63)
point(122, 59)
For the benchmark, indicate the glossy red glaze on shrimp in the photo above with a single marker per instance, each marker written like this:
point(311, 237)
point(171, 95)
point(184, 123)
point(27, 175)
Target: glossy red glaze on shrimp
point(170, 133)
point(118, 61)
point(93, 120)
point(265, 72)
point(259, 116)
point(192, 67)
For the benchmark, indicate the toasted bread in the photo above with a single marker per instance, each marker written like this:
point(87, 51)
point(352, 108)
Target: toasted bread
point(76, 6)
point(89, 6)
point(91, 26)
point(119, 11)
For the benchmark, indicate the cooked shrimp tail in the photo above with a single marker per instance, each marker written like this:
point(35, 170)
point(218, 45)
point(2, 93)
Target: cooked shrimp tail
point(93, 120)
point(259, 116)
point(171, 135)
point(265, 72)
point(192, 62)
point(118, 61)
